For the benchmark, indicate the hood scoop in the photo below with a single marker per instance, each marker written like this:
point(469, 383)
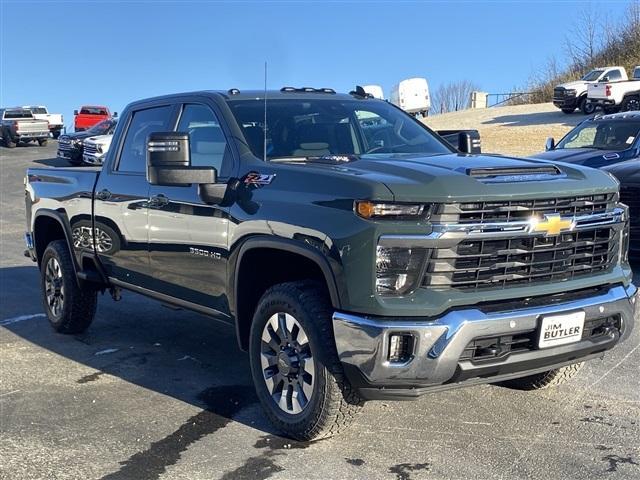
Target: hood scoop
point(516, 174)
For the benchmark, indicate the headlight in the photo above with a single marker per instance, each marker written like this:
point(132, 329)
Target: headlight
point(398, 211)
point(99, 148)
point(571, 93)
point(398, 269)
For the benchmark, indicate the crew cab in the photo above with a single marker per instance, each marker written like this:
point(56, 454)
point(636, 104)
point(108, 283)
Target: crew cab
point(90, 115)
point(571, 95)
point(615, 96)
point(71, 145)
point(597, 142)
point(55, 120)
point(95, 149)
point(354, 263)
point(18, 125)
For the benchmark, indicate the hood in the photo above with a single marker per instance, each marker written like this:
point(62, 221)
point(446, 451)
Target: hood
point(626, 172)
point(77, 135)
point(589, 157)
point(100, 139)
point(469, 177)
point(577, 85)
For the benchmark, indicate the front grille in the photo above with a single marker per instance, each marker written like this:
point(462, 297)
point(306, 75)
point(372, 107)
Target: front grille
point(487, 349)
point(559, 93)
point(519, 261)
point(65, 144)
point(522, 210)
point(631, 197)
point(90, 148)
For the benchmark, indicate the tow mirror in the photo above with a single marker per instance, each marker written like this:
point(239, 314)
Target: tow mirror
point(115, 114)
point(550, 144)
point(169, 164)
point(75, 112)
point(469, 142)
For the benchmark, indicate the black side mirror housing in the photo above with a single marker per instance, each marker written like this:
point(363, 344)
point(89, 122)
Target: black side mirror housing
point(466, 141)
point(75, 112)
point(115, 114)
point(169, 161)
point(604, 79)
point(550, 144)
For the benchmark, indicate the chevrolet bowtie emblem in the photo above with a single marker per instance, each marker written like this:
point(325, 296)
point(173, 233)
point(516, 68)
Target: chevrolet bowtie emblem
point(552, 225)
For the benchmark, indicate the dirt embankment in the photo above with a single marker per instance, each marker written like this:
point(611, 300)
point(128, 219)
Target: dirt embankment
point(519, 130)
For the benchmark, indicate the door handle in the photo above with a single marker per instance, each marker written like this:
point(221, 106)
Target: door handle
point(158, 201)
point(103, 194)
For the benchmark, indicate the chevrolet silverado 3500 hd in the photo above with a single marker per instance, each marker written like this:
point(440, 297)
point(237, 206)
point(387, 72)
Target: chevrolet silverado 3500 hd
point(357, 259)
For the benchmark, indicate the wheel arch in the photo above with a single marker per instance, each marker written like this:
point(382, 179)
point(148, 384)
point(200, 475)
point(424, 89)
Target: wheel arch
point(245, 290)
point(50, 225)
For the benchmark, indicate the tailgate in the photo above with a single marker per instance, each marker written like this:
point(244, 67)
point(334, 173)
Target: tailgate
point(32, 126)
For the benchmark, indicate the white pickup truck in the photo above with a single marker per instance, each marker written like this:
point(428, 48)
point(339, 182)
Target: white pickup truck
point(616, 96)
point(571, 95)
point(56, 121)
point(95, 148)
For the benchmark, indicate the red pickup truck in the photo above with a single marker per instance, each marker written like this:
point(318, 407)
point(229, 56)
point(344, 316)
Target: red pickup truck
point(90, 115)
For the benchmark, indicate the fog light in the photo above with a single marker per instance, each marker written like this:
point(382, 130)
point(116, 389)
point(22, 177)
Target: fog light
point(400, 347)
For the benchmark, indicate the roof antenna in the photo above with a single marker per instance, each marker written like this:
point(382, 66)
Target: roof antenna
point(264, 129)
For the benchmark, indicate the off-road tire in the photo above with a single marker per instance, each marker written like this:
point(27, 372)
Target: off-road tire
point(543, 380)
point(631, 104)
point(334, 403)
point(586, 107)
point(42, 142)
point(80, 302)
point(568, 111)
point(8, 141)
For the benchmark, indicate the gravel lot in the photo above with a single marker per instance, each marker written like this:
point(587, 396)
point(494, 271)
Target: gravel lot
point(151, 393)
point(518, 130)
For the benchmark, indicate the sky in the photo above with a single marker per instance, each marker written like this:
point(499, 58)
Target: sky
point(63, 54)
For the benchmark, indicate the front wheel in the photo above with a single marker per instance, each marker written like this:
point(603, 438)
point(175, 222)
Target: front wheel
point(568, 111)
point(544, 380)
point(586, 107)
point(631, 104)
point(69, 306)
point(9, 142)
point(294, 363)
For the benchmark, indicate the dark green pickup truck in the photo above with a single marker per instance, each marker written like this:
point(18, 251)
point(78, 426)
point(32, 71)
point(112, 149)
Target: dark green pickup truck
point(358, 255)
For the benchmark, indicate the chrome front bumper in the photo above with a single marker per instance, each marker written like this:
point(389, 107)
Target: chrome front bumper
point(363, 345)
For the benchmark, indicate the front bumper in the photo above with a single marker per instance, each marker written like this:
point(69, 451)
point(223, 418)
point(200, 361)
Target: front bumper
point(363, 345)
point(31, 135)
point(566, 102)
point(93, 159)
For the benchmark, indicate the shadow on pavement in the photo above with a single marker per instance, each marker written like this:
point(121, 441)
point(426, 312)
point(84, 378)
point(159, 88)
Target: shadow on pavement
point(53, 162)
point(541, 118)
point(187, 356)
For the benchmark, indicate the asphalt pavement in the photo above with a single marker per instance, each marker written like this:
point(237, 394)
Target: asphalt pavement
point(153, 393)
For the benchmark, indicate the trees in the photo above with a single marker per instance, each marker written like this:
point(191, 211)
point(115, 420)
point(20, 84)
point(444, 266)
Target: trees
point(452, 96)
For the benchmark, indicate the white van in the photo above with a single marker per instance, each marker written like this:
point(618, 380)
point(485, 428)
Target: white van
point(412, 95)
point(375, 91)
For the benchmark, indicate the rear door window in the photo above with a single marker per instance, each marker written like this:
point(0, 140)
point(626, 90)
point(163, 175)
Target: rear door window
point(143, 122)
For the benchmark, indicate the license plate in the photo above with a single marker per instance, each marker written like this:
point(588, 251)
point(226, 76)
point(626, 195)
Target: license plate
point(561, 329)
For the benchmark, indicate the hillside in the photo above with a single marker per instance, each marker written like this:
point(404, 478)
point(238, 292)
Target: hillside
point(512, 130)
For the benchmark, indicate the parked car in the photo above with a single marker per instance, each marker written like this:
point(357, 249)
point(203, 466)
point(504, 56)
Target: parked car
point(95, 148)
point(628, 174)
point(56, 120)
point(70, 145)
point(18, 125)
point(412, 96)
point(571, 95)
point(89, 115)
point(351, 270)
point(597, 142)
point(375, 91)
point(615, 96)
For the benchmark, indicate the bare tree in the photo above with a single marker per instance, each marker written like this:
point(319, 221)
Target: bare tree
point(453, 96)
point(585, 39)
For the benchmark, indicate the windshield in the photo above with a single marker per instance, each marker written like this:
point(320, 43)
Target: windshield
point(613, 135)
point(592, 76)
point(17, 114)
point(305, 127)
point(103, 128)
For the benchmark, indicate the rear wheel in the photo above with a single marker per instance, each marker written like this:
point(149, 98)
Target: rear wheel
point(55, 134)
point(295, 366)
point(9, 142)
point(631, 104)
point(42, 142)
point(69, 306)
point(548, 379)
point(586, 107)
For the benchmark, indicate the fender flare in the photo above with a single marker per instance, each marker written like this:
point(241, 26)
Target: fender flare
point(62, 219)
point(334, 285)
